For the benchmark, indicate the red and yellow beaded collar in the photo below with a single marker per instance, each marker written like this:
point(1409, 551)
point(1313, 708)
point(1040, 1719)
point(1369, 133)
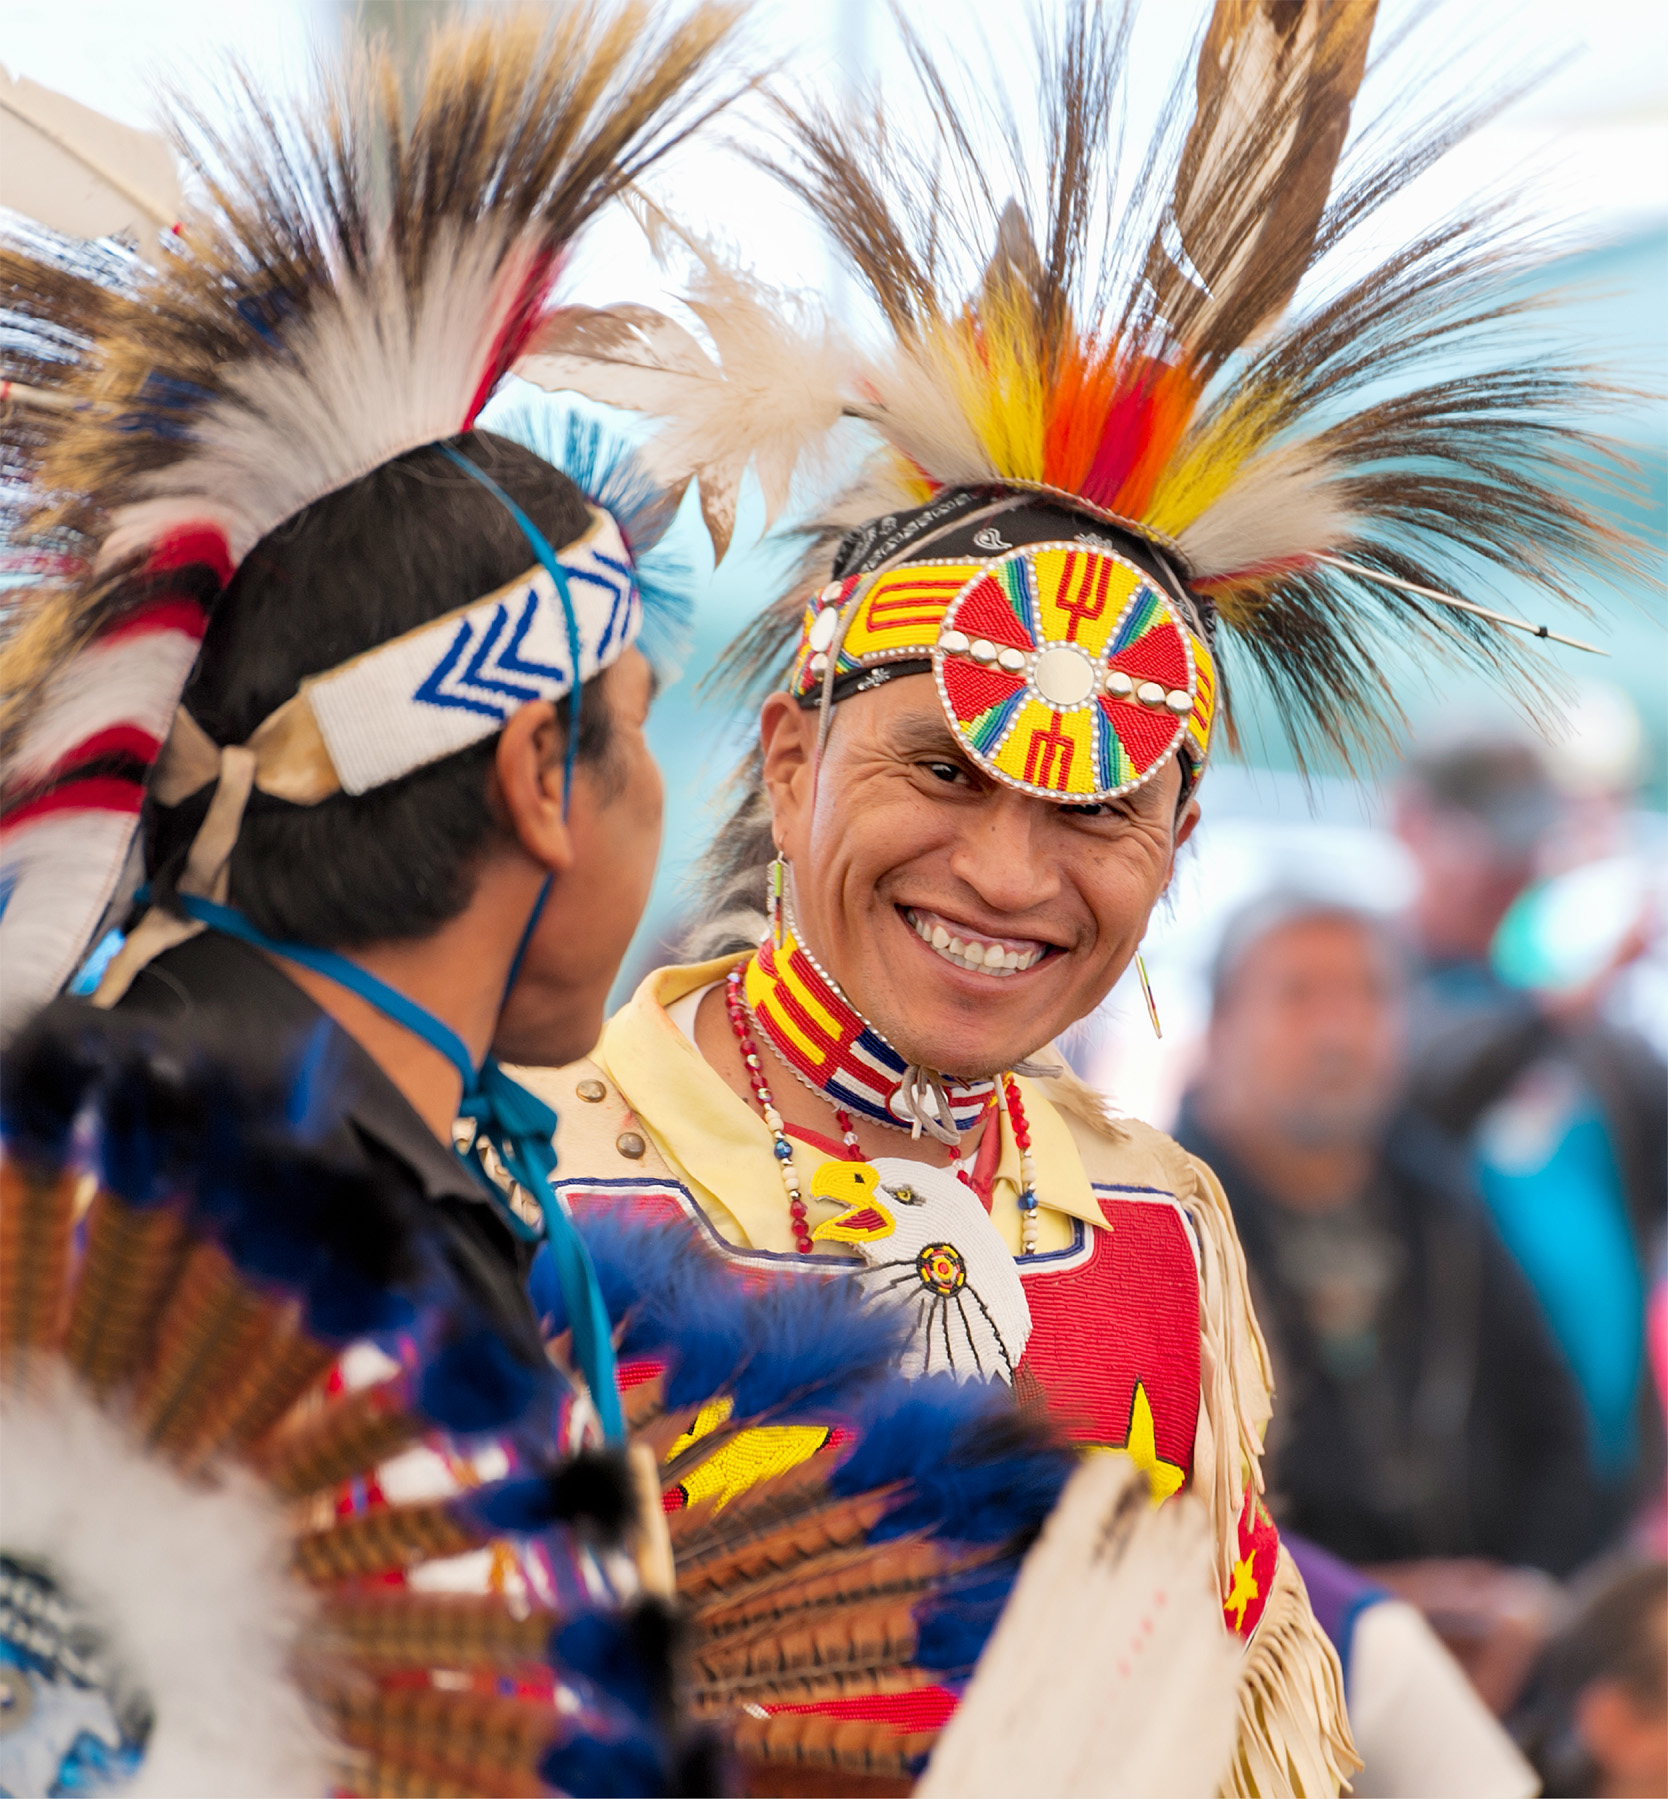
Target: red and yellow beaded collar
point(838, 1054)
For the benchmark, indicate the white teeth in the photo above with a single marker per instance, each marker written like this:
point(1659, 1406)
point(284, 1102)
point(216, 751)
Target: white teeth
point(981, 958)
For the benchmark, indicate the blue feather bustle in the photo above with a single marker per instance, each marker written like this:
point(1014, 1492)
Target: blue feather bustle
point(248, 1163)
point(781, 1349)
point(604, 465)
point(972, 1470)
point(249, 1158)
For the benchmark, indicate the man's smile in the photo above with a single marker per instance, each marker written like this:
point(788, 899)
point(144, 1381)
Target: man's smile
point(977, 951)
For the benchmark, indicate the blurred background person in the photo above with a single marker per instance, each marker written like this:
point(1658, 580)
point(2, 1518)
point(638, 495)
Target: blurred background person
point(1424, 1409)
point(1419, 1724)
point(1563, 1114)
point(1595, 1718)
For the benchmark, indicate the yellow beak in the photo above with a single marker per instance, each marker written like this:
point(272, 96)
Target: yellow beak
point(856, 1186)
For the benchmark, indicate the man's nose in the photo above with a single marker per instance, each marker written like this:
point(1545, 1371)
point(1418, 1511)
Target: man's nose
point(1002, 853)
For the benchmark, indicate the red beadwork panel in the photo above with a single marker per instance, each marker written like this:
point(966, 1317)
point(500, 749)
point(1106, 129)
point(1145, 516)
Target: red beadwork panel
point(1118, 1309)
point(1259, 1551)
point(1122, 1308)
point(923, 1708)
point(1114, 1320)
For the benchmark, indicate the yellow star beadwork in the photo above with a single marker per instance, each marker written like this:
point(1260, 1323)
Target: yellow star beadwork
point(1142, 1449)
point(751, 1456)
point(1244, 1590)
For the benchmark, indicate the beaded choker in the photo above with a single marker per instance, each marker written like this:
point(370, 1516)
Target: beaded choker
point(822, 1037)
point(785, 1161)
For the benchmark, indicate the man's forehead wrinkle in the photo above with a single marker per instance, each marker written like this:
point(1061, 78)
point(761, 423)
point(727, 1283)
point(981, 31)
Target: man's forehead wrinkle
point(918, 733)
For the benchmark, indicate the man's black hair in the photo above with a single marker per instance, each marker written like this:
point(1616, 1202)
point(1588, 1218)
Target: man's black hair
point(410, 541)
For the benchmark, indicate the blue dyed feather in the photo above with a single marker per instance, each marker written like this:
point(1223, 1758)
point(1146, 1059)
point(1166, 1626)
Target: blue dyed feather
point(978, 1470)
point(816, 1339)
point(151, 1120)
point(622, 1767)
point(625, 1655)
point(477, 1383)
point(292, 1221)
point(953, 1626)
point(593, 1487)
point(669, 1296)
point(45, 1079)
point(802, 1342)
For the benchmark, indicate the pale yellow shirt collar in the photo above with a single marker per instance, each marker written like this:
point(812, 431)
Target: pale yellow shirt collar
point(723, 1151)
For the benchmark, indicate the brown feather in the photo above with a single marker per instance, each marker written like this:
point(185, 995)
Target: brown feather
point(356, 1431)
point(845, 1746)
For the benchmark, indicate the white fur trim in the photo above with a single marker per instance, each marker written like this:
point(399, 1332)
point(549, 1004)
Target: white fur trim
point(188, 1581)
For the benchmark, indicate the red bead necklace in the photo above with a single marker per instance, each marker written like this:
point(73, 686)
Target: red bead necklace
point(737, 1009)
point(1027, 1169)
point(736, 1006)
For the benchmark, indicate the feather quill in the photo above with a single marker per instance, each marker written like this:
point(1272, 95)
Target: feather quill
point(76, 171)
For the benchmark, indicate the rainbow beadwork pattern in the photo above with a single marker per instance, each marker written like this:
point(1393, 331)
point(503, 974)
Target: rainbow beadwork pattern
point(1062, 669)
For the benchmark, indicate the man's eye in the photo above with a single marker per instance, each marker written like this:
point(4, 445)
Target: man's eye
point(1101, 810)
point(945, 771)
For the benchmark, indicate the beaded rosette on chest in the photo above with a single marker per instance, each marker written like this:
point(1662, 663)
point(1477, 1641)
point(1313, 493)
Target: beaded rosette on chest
point(1062, 668)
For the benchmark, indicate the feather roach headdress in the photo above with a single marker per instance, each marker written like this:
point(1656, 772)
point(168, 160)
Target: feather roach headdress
point(1081, 450)
point(351, 283)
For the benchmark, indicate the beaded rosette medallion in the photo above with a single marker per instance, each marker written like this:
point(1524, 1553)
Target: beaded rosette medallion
point(1062, 669)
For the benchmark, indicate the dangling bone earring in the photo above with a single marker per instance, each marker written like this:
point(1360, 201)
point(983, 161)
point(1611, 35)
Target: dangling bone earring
point(775, 885)
point(1147, 994)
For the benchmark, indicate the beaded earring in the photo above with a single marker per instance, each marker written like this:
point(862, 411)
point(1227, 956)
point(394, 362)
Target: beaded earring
point(1147, 995)
point(776, 879)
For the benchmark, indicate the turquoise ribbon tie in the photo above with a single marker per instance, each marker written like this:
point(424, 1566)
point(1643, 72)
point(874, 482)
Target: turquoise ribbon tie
point(518, 1124)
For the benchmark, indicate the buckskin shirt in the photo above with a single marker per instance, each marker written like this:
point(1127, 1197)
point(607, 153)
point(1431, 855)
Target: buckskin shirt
point(1142, 1336)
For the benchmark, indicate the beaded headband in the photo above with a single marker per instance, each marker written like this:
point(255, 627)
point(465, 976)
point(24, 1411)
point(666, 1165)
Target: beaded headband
point(435, 689)
point(1063, 670)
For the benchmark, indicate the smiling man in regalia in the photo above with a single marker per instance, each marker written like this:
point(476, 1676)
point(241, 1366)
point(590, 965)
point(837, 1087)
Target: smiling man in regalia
point(1086, 474)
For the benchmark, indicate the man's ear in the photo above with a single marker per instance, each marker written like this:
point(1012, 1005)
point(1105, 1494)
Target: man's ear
point(529, 765)
point(788, 740)
point(1186, 824)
